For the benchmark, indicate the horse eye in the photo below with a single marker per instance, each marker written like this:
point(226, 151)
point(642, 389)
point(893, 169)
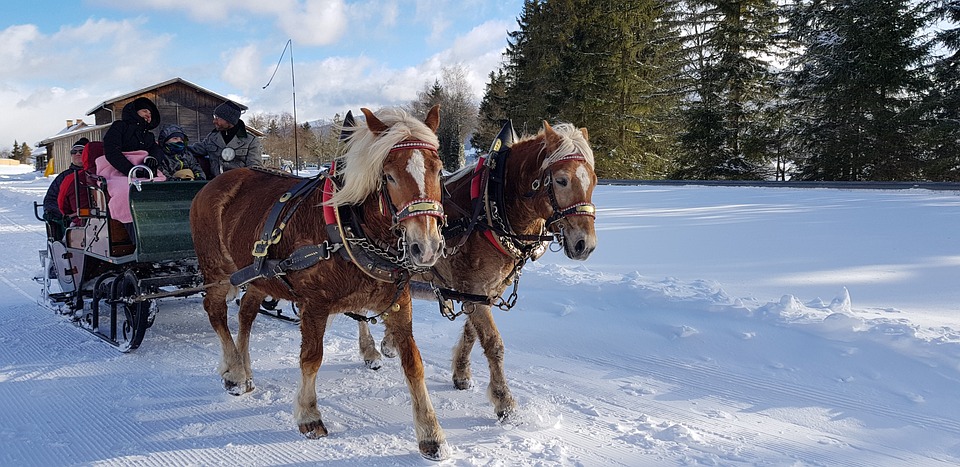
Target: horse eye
point(562, 181)
point(390, 179)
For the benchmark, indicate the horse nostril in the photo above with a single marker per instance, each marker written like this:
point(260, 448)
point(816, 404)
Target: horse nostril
point(415, 250)
point(580, 246)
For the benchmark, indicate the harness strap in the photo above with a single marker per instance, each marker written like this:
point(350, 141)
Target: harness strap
point(273, 231)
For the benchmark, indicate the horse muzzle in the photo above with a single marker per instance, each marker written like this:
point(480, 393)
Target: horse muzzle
point(420, 221)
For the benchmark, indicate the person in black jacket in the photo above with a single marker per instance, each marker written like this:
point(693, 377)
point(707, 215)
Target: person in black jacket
point(132, 133)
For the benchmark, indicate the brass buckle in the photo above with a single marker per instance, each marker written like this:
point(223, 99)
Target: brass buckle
point(260, 248)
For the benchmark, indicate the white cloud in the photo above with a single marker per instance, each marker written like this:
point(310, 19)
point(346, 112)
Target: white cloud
point(318, 22)
point(47, 78)
point(15, 40)
point(54, 77)
point(309, 22)
point(336, 84)
point(243, 67)
point(33, 114)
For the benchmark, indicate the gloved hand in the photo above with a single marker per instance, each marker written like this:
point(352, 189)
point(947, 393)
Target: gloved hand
point(140, 172)
point(151, 162)
point(183, 174)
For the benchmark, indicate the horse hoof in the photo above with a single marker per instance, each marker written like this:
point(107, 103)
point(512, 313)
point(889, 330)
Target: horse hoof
point(506, 416)
point(238, 389)
point(387, 349)
point(314, 430)
point(434, 451)
point(463, 384)
point(374, 364)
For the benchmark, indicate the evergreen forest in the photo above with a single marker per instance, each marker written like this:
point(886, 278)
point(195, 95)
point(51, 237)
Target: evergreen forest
point(739, 90)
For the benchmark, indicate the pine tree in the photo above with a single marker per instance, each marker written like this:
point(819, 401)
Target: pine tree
point(492, 112)
point(853, 89)
point(16, 152)
point(942, 158)
point(609, 66)
point(731, 46)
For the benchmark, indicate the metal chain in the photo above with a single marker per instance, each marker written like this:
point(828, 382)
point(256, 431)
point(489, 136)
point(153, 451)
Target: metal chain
point(400, 262)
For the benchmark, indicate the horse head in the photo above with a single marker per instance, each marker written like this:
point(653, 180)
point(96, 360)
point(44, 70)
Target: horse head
point(408, 178)
point(568, 176)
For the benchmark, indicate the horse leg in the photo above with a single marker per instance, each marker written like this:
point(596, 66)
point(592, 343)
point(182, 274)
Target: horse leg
point(368, 349)
point(231, 368)
point(462, 378)
point(430, 437)
point(489, 336)
point(249, 308)
point(387, 346)
point(305, 411)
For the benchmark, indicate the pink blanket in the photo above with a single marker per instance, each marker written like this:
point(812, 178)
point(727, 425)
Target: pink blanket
point(118, 187)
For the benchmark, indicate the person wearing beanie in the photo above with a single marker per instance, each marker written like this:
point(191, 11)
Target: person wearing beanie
point(51, 210)
point(179, 163)
point(229, 145)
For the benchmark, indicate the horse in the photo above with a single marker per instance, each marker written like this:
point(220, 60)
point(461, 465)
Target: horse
point(542, 184)
point(390, 164)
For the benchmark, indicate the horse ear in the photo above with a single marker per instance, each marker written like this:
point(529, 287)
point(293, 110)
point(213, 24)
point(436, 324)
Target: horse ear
point(551, 137)
point(433, 118)
point(583, 130)
point(374, 123)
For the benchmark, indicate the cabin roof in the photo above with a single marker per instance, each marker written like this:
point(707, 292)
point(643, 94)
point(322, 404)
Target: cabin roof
point(160, 85)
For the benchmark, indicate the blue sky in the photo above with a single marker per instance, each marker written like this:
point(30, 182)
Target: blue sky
point(59, 59)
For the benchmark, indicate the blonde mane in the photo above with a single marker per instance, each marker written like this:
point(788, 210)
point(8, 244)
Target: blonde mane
point(362, 164)
point(572, 142)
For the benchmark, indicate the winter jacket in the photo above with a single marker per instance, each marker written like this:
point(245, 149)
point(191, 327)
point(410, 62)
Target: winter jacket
point(176, 161)
point(132, 133)
point(50, 208)
point(246, 149)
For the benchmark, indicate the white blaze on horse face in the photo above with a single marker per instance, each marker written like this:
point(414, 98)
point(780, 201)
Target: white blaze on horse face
point(418, 169)
point(584, 176)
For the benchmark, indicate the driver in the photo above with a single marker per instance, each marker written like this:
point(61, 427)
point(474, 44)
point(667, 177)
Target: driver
point(229, 145)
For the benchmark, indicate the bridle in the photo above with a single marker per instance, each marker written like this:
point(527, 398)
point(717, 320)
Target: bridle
point(417, 207)
point(582, 208)
point(490, 176)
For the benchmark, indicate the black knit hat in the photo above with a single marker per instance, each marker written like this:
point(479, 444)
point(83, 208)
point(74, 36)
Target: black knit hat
point(228, 111)
point(81, 142)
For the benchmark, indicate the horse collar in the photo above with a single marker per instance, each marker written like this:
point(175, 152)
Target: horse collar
point(488, 189)
point(344, 225)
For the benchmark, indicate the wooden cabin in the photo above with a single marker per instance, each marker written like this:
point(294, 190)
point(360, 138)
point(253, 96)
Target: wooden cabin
point(178, 100)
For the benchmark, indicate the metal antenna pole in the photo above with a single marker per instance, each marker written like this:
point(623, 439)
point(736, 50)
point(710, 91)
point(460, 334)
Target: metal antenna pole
point(293, 83)
point(296, 126)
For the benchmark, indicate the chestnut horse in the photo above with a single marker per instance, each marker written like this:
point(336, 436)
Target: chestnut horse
point(546, 185)
point(392, 160)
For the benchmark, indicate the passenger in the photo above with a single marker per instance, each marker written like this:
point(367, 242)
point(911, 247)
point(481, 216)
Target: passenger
point(51, 209)
point(229, 145)
point(74, 197)
point(128, 135)
point(132, 133)
point(179, 163)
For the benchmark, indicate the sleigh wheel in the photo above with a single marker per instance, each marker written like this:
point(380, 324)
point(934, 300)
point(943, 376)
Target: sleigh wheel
point(131, 319)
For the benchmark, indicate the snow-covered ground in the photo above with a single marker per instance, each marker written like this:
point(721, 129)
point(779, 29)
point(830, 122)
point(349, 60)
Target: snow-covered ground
point(717, 326)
